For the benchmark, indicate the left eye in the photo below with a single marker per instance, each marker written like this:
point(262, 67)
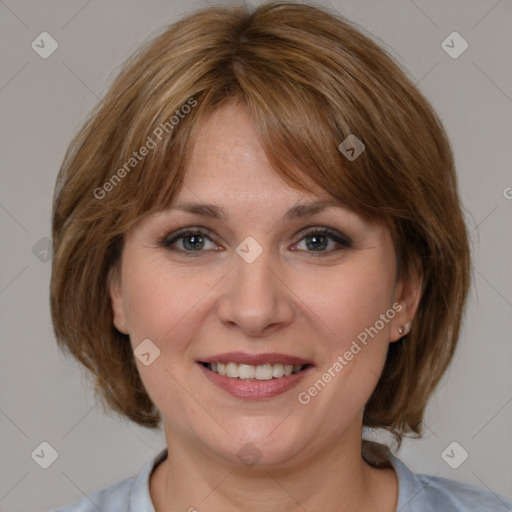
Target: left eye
point(316, 241)
point(193, 241)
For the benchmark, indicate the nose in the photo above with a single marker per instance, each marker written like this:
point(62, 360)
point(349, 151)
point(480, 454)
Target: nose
point(255, 296)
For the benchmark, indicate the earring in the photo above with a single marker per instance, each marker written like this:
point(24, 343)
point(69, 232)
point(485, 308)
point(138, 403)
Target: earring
point(404, 330)
point(121, 327)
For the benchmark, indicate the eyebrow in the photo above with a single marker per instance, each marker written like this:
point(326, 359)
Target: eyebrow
point(296, 212)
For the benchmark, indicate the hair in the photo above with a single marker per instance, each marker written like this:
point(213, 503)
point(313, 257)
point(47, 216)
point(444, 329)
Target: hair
point(309, 79)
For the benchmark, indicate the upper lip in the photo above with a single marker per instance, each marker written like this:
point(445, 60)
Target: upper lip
point(255, 359)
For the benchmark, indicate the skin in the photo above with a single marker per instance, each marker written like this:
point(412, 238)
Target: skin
point(286, 301)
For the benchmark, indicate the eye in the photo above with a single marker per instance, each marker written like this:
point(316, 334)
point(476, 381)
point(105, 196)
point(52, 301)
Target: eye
point(317, 241)
point(192, 240)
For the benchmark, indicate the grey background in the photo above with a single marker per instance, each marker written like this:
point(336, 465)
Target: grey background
point(46, 397)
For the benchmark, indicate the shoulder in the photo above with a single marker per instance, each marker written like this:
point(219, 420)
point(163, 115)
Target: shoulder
point(109, 499)
point(433, 493)
point(129, 494)
point(460, 496)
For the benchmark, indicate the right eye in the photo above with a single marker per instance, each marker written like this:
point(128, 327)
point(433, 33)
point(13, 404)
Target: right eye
point(188, 241)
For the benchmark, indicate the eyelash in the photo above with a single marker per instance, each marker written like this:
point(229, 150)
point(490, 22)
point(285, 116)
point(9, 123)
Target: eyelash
point(342, 240)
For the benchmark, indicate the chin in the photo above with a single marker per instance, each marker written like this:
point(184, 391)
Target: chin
point(266, 445)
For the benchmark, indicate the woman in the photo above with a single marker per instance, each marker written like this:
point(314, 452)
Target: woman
point(258, 242)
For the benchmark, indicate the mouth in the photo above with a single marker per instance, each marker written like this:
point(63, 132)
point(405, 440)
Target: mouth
point(254, 377)
point(255, 372)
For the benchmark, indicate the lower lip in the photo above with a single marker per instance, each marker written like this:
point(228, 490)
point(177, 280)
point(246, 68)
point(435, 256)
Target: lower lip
point(254, 389)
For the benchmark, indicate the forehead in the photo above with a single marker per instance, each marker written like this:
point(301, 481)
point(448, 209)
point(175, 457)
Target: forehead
point(228, 177)
point(227, 146)
point(228, 162)
point(297, 211)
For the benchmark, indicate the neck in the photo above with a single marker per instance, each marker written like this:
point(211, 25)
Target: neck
point(336, 480)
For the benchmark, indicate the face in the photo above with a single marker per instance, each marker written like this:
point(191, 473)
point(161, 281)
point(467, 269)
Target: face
point(262, 289)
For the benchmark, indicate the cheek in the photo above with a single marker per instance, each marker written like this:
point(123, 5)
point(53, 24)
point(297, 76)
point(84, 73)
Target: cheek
point(162, 305)
point(367, 295)
point(365, 321)
point(354, 340)
point(159, 296)
point(351, 299)
point(349, 304)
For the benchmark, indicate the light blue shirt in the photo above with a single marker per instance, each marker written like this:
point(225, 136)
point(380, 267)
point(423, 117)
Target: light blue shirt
point(416, 493)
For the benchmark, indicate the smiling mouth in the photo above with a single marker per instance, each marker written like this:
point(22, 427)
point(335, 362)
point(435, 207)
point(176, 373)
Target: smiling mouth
point(255, 372)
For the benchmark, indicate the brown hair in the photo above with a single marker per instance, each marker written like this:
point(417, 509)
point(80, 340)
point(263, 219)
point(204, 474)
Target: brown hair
point(308, 79)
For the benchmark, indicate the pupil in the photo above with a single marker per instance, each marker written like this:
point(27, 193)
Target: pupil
point(315, 244)
point(191, 240)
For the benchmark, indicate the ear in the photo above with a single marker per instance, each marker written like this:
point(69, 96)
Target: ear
point(407, 293)
point(116, 299)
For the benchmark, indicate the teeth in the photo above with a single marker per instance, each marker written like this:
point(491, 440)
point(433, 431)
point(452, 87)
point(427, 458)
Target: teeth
point(277, 370)
point(260, 372)
point(232, 370)
point(263, 372)
point(246, 371)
